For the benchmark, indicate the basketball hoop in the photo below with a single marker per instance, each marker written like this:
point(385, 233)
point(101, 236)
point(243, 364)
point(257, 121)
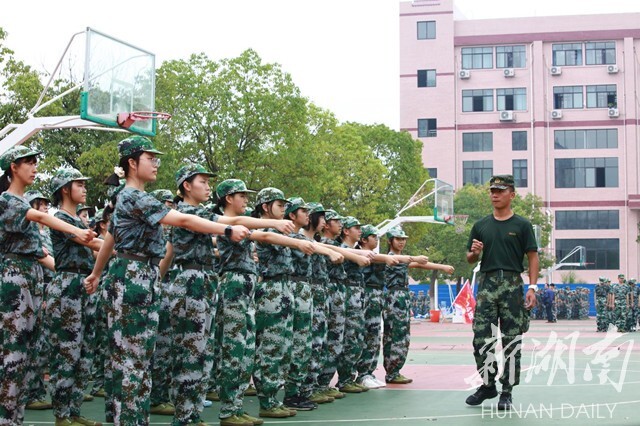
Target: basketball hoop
point(459, 221)
point(126, 119)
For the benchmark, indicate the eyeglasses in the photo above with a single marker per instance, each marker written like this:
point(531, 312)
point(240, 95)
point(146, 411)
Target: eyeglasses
point(155, 161)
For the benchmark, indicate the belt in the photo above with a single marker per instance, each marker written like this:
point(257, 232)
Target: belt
point(150, 260)
point(79, 271)
point(196, 266)
point(500, 273)
point(397, 288)
point(352, 283)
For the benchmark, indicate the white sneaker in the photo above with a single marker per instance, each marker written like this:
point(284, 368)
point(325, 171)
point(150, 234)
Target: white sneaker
point(206, 403)
point(380, 383)
point(370, 382)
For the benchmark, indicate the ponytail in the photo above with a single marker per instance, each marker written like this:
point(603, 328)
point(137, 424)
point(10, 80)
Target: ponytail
point(5, 181)
point(221, 203)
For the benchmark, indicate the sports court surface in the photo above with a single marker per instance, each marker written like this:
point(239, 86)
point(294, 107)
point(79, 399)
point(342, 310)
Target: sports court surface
point(571, 375)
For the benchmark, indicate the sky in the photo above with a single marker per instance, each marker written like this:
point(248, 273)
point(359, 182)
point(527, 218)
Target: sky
point(342, 54)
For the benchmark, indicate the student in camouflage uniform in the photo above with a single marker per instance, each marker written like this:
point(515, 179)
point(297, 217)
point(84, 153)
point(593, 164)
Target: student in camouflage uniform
point(600, 294)
point(620, 290)
point(422, 304)
point(21, 256)
point(236, 310)
point(70, 313)
point(37, 391)
point(299, 395)
point(132, 281)
point(632, 303)
point(503, 239)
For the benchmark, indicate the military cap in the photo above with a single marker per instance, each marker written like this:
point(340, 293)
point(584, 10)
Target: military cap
point(332, 215)
point(267, 195)
point(230, 187)
point(34, 195)
point(315, 208)
point(502, 182)
point(63, 176)
point(396, 232)
point(350, 222)
point(162, 195)
point(632, 280)
point(620, 275)
point(135, 144)
point(99, 216)
point(15, 153)
point(602, 279)
point(81, 207)
point(185, 172)
point(293, 204)
point(368, 230)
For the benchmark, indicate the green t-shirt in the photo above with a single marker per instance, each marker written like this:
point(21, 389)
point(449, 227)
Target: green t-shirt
point(505, 242)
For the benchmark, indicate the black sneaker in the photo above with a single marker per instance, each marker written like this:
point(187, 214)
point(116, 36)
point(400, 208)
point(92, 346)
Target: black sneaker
point(299, 403)
point(505, 401)
point(483, 392)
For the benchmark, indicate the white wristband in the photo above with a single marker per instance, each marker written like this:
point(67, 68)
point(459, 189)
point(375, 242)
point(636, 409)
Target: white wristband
point(533, 287)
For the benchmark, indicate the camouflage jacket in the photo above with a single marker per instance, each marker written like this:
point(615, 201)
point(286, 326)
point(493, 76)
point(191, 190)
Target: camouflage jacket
point(274, 259)
point(17, 234)
point(302, 262)
point(193, 247)
point(336, 271)
point(66, 252)
point(398, 275)
point(236, 257)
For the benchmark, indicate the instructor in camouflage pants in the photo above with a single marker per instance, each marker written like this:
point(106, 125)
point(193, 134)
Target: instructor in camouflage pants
point(503, 238)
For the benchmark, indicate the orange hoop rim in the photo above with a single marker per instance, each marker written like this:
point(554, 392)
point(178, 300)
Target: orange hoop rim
point(149, 115)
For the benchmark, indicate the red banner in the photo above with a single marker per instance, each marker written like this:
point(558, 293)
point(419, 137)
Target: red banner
point(466, 303)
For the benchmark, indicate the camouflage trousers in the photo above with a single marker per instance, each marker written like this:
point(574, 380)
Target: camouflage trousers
point(318, 338)
point(335, 332)
point(274, 316)
point(70, 360)
point(372, 326)
point(601, 313)
point(620, 315)
point(192, 296)
point(101, 348)
point(353, 335)
point(18, 279)
point(300, 346)
point(396, 331)
point(161, 359)
point(630, 319)
point(235, 328)
point(133, 290)
point(36, 390)
point(500, 314)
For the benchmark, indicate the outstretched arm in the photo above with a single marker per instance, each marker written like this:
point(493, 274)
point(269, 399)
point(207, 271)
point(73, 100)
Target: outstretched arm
point(281, 240)
point(349, 254)
point(284, 226)
point(82, 235)
point(203, 226)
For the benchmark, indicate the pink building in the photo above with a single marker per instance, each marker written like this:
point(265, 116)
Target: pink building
point(552, 100)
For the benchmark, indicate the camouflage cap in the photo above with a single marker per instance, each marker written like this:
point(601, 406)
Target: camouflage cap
point(34, 195)
point(186, 171)
point(330, 214)
point(99, 216)
point(502, 182)
point(315, 208)
point(293, 204)
point(350, 222)
point(15, 153)
point(396, 232)
point(267, 195)
point(602, 279)
point(632, 280)
point(63, 176)
point(134, 144)
point(81, 207)
point(368, 230)
point(231, 186)
point(162, 195)
point(620, 275)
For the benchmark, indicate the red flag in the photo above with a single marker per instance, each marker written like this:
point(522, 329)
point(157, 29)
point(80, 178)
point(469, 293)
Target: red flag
point(466, 302)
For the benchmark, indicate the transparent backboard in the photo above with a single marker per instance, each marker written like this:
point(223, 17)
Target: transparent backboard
point(119, 78)
point(443, 208)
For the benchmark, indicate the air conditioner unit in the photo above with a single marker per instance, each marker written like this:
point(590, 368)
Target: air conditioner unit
point(556, 114)
point(613, 113)
point(506, 115)
point(556, 70)
point(464, 74)
point(509, 72)
point(612, 69)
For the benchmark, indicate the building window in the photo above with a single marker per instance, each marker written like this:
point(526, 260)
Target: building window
point(477, 172)
point(520, 173)
point(426, 78)
point(511, 56)
point(602, 96)
point(602, 253)
point(477, 100)
point(587, 219)
point(519, 141)
point(433, 172)
point(600, 53)
point(567, 97)
point(586, 139)
point(512, 99)
point(477, 58)
point(476, 142)
point(427, 127)
point(586, 172)
point(426, 30)
point(567, 54)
